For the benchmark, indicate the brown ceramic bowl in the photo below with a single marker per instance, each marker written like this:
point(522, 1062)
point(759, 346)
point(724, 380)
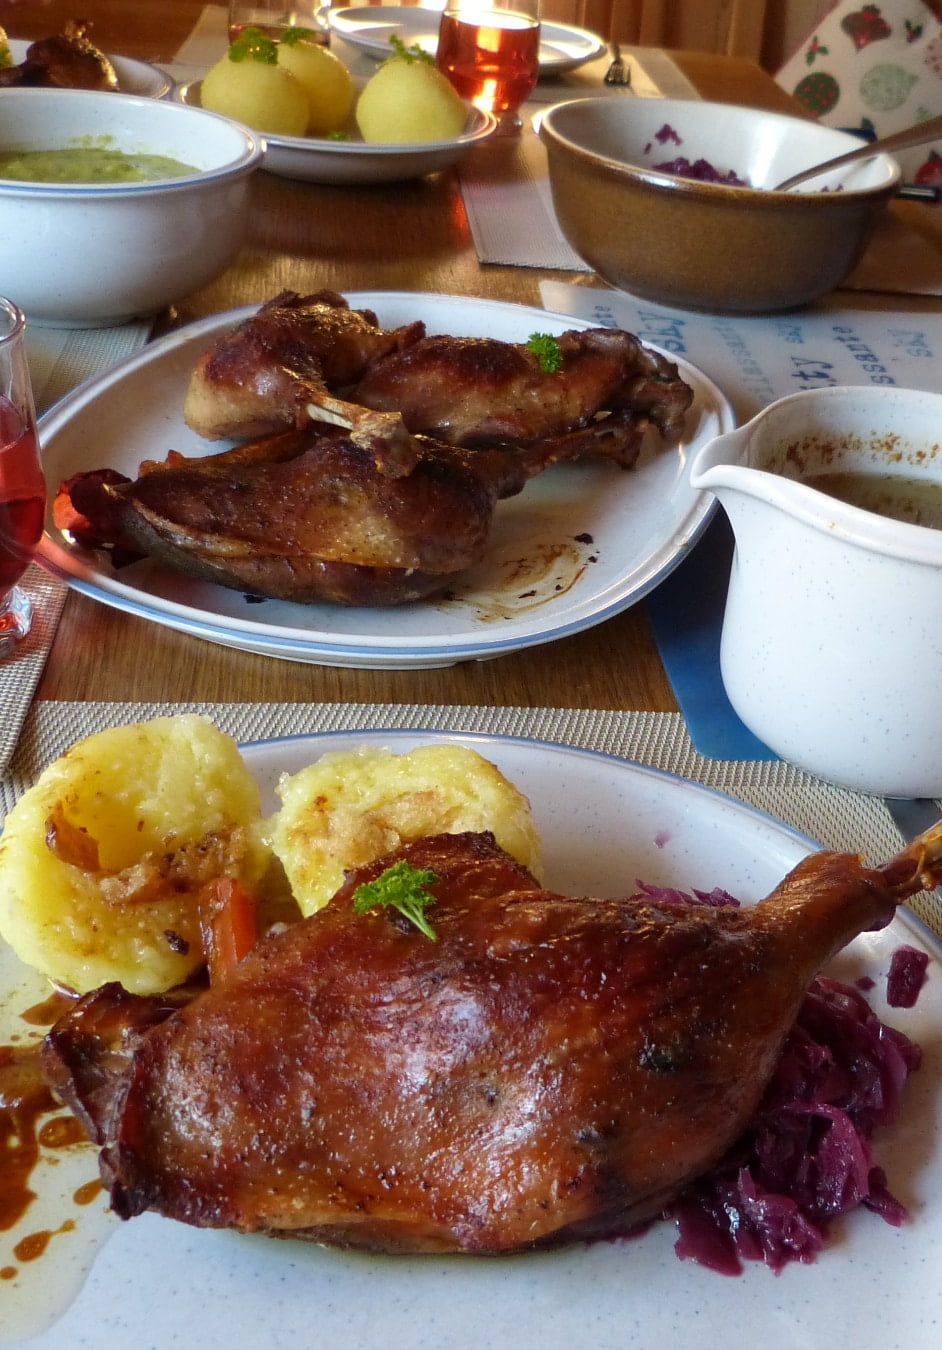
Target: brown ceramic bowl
point(705, 245)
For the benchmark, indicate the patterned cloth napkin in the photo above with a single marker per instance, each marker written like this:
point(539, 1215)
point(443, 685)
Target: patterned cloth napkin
point(874, 69)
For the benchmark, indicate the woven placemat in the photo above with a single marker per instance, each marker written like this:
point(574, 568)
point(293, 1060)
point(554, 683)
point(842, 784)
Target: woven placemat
point(20, 673)
point(835, 818)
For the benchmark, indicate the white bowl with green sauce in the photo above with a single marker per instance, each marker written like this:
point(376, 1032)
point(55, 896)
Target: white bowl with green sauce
point(89, 163)
point(115, 206)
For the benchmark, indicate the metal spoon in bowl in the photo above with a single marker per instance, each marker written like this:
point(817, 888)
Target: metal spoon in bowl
point(900, 140)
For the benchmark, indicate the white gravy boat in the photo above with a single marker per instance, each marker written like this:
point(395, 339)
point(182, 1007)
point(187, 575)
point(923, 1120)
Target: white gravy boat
point(831, 650)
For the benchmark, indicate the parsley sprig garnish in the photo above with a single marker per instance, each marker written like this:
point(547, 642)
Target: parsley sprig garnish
point(411, 54)
point(254, 45)
point(293, 35)
point(404, 887)
point(546, 349)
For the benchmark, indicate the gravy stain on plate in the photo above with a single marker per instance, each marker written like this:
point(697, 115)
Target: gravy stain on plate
point(54, 1215)
point(515, 585)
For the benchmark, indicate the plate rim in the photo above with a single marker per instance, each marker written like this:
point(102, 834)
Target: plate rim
point(421, 649)
point(477, 739)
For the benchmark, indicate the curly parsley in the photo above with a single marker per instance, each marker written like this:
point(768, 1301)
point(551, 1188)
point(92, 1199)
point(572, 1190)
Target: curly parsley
point(253, 45)
point(411, 54)
point(404, 887)
point(546, 349)
point(293, 35)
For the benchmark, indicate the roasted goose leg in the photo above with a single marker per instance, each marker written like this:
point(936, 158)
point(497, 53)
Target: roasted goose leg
point(296, 351)
point(302, 358)
point(309, 516)
point(70, 60)
point(479, 391)
point(547, 1069)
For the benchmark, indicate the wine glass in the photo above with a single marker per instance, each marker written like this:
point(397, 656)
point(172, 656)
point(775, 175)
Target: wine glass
point(272, 17)
point(490, 52)
point(22, 485)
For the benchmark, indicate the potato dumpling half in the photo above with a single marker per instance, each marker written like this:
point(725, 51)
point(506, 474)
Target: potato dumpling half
point(102, 860)
point(351, 807)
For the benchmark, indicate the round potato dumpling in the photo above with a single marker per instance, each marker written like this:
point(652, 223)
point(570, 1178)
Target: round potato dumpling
point(262, 96)
point(351, 807)
point(103, 859)
point(324, 78)
point(408, 100)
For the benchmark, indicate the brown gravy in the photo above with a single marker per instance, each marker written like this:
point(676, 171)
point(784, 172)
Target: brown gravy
point(914, 501)
point(24, 1100)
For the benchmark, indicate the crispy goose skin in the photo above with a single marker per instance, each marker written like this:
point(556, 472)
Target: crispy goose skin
point(70, 60)
point(309, 516)
point(547, 1069)
point(297, 350)
point(312, 357)
point(479, 391)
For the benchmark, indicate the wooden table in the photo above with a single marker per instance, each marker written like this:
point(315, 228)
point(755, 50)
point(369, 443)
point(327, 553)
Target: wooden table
point(411, 236)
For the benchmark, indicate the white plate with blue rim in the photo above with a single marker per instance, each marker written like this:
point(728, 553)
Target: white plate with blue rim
point(581, 543)
point(605, 823)
point(370, 27)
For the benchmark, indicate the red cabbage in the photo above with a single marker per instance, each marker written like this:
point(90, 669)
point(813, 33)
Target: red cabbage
point(702, 170)
point(805, 1158)
point(907, 976)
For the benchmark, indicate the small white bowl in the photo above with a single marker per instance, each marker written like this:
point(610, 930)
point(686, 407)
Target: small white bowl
point(832, 637)
point(89, 255)
point(317, 159)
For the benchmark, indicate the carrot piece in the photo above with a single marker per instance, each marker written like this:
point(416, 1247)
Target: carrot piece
point(230, 927)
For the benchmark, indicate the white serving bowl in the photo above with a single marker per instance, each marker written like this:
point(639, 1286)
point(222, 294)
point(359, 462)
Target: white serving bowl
point(353, 162)
point(706, 245)
point(832, 637)
point(90, 255)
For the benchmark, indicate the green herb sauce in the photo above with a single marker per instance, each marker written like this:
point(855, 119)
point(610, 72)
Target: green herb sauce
point(88, 164)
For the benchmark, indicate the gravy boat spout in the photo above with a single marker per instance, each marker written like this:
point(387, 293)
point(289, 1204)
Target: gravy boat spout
point(831, 649)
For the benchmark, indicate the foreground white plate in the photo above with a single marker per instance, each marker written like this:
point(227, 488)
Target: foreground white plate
point(582, 541)
point(370, 27)
point(316, 159)
point(605, 823)
point(134, 77)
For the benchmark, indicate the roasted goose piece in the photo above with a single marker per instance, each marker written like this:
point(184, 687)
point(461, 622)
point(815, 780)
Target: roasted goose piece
point(308, 516)
point(479, 391)
point(547, 1069)
point(288, 362)
point(67, 61)
point(295, 352)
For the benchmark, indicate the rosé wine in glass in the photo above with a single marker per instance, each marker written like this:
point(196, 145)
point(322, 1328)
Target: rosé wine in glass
point(22, 485)
point(272, 18)
point(491, 56)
